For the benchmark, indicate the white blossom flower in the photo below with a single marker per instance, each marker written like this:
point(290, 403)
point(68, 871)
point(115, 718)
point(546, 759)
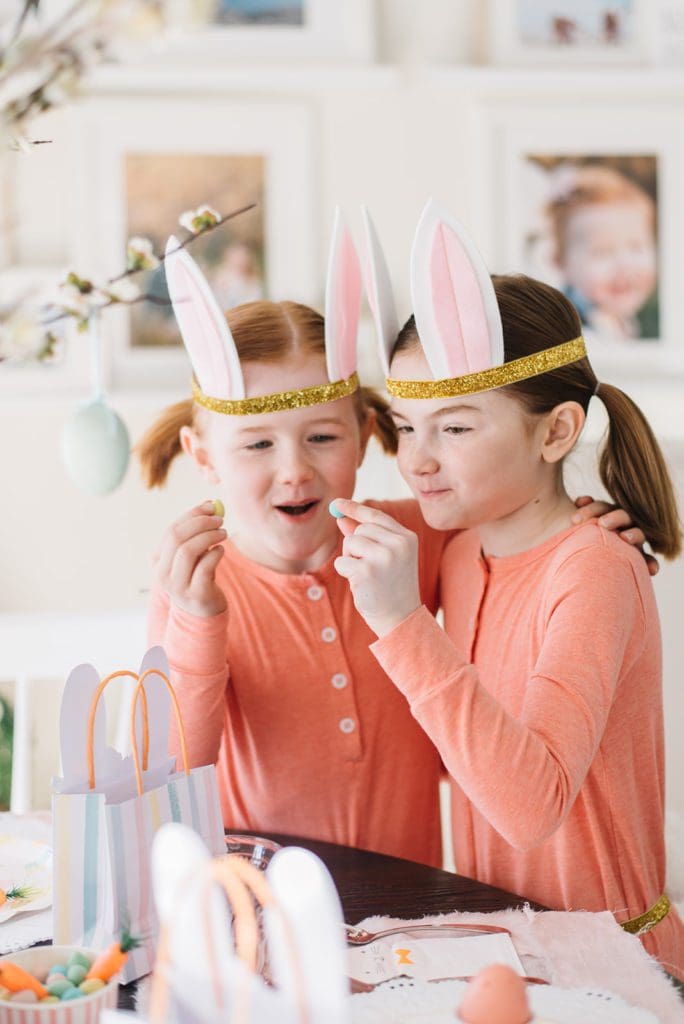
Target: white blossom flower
point(76, 302)
point(200, 219)
point(124, 290)
point(140, 254)
point(22, 336)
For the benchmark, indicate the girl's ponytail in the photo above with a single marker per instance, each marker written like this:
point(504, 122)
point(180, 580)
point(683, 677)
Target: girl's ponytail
point(159, 445)
point(383, 427)
point(635, 474)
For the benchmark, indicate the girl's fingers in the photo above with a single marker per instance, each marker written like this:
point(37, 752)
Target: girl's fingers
point(189, 525)
point(206, 566)
point(346, 567)
point(616, 519)
point(358, 546)
point(365, 514)
point(590, 509)
point(187, 556)
point(584, 499)
point(634, 536)
point(652, 564)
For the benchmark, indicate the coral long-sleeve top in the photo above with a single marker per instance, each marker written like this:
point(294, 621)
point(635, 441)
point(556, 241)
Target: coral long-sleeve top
point(282, 692)
point(543, 696)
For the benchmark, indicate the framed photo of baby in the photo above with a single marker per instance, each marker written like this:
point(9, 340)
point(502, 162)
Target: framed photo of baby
point(591, 230)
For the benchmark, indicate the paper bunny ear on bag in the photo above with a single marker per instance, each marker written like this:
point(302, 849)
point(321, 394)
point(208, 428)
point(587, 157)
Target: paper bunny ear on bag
point(203, 326)
point(454, 303)
point(379, 292)
point(342, 303)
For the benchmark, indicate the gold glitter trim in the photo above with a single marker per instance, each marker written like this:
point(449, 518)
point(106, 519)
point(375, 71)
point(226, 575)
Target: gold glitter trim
point(496, 377)
point(316, 395)
point(644, 922)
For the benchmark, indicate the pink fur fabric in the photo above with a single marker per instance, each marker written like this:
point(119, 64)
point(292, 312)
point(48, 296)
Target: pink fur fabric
point(576, 950)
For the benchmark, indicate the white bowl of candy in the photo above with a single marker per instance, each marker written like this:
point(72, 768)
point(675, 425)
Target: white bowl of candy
point(48, 985)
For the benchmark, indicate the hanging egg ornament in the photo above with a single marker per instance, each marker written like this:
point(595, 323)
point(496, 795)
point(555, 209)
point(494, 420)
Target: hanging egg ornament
point(96, 448)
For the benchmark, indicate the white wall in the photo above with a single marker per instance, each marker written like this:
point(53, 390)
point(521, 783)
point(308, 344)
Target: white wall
point(389, 137)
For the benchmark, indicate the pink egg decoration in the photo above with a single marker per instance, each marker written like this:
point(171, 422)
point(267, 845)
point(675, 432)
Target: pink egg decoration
point(496, 995)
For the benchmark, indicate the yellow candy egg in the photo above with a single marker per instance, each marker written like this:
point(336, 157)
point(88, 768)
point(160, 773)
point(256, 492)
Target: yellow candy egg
point(91, 985)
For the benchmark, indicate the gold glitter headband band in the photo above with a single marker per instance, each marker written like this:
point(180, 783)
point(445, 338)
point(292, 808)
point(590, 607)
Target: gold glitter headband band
point(496, 377)
point(316, 395)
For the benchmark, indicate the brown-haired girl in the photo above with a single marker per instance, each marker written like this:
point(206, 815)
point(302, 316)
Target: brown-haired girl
point(543, 696)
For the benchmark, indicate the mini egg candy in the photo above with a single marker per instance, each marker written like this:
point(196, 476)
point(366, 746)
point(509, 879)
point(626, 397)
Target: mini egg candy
point(219, 508)
point(334, 511)
point(4, 992)
point(78, 958)
point(25, 996)
point(91, 985)
point(57, 986)
point(57, 969)
point(71, 993)
point(76, 973)
point(49, 999)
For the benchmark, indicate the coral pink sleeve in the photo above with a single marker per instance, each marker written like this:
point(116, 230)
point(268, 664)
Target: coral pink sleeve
point(196, 649)
point(524, 773)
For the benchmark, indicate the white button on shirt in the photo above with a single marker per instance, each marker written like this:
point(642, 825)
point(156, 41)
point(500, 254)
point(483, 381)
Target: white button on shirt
point(329, 635)
point(314, 593)
point(347, 725)
point(339, 681)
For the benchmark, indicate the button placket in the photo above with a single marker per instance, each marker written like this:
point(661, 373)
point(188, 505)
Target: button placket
point(343, 716)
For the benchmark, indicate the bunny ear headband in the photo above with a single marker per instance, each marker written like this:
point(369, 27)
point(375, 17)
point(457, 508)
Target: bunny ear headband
point(218, 383)
point(456, 312)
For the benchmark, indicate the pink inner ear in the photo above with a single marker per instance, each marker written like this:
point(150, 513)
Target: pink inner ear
point(201, 335)
point(459, 309)
point(347, 306)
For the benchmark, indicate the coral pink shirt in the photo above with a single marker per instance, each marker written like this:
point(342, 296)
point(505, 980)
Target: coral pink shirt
point(309, 735)
point(544, 701)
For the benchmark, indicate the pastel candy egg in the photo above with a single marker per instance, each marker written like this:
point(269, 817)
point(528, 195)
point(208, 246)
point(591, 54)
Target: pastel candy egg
point(91, 985)
point(49, 999)
point(219, 507)
point(57, 969)
point(57, 986)
point(495, 996)
point(25, 996)
point(334, 511)
point(4, 992)
point(76, 973)
point(71, 993)
point(78, 958)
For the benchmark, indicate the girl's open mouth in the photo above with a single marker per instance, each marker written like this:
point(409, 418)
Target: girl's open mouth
point(299, 509)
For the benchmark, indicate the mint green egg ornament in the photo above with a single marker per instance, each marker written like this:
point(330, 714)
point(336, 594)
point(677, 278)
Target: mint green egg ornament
point(96, 448)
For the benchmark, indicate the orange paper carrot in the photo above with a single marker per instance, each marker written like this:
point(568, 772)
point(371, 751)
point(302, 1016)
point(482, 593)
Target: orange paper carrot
point(16, 979)
point(110, 962)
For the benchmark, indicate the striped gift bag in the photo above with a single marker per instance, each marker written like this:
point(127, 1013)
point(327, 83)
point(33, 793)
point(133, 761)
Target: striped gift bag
point(102, 840)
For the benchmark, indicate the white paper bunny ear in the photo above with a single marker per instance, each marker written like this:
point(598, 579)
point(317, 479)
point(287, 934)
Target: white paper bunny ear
point(454, 303)
point(342, 303)
point(203, 326)
point(379, 292)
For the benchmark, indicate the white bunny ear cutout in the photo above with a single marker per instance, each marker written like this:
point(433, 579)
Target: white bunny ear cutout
point(454, 303)
point(203, 326)
point(379, 292)
point(342, 303)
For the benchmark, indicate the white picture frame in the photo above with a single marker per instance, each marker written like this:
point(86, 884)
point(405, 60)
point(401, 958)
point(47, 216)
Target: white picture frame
point(340, 30)
point(521, 33)
point(109, 128)
point(508, 133)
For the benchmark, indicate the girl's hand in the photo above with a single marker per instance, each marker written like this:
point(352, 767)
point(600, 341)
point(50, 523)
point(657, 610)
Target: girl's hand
point(616, 519)
point(380, 560)
point(185, 563)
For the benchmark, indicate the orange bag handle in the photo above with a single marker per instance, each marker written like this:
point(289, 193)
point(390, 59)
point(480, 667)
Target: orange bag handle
point(139, 692)
point(244, 885)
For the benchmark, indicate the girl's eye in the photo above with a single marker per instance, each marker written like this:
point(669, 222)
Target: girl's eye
point(457, 430)
point(403, 429)
point(322, 438)
point(259, 446)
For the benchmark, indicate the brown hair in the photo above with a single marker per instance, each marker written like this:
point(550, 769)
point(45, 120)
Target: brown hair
point(632, 467)
point(590, 185)
point(263, 332)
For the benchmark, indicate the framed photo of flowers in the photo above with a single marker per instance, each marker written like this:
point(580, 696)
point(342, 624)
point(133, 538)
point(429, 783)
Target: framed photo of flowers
point(591, 207)
point(148, 166)
point(317, 30)
point(570, 32)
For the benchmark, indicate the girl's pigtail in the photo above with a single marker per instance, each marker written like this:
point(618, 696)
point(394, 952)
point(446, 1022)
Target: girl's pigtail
point(160, 445)
point(635, 474)
point(383, 427)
